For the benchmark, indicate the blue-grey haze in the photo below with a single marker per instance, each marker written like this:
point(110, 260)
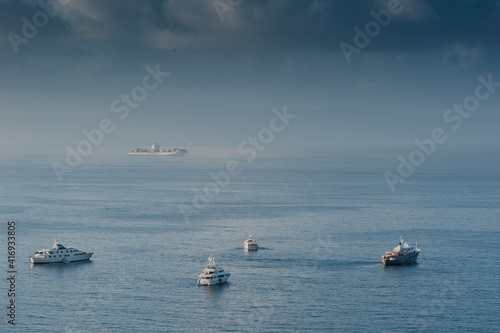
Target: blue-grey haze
point(225, 73)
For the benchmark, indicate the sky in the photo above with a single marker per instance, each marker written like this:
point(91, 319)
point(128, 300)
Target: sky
point(354, 74)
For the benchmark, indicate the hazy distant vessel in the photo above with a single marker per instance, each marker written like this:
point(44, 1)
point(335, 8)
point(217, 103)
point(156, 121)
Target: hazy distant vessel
point(59, 253)
point(401, 254)
point(156, 151)
point(251, 244)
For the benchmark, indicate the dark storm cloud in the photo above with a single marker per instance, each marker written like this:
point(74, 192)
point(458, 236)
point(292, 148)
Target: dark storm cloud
point(261, 26)
point(261, 54)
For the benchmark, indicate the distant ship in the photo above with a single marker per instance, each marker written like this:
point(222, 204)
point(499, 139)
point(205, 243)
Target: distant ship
point(251, 244)
point(401, 254)
point(212, 274)
point(59, 253)
point(156, 151)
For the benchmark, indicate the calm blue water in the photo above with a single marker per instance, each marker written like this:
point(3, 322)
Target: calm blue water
point(322, 223)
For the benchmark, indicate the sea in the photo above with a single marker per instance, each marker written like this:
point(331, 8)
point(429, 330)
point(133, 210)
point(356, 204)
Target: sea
point(322, 223)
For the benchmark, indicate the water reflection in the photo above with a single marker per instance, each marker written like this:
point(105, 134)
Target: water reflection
point(398, 267)
point(215, 290)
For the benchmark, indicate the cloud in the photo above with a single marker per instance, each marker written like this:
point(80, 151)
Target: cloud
point(461, 56)
point(416, 11)
point(108, 20)
point(264, 53)
point(261, 25)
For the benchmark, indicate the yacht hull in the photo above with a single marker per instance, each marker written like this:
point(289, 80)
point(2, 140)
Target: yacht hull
point(80, 257)
point(407, 259)
point(211, 282)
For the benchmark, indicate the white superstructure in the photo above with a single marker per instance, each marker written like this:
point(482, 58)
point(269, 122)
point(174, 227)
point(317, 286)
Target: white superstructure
point(212, 274)
point(401, 254)
point(59, 253)
point(251, 244)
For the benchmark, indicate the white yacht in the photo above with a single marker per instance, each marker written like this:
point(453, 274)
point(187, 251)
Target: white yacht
point(212, 274)
point(401, 254)
point(59, 253)
point(251, 244)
